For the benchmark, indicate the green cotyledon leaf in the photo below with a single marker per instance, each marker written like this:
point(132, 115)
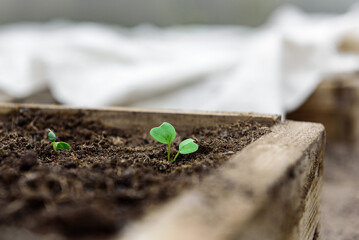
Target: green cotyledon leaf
point(165, 133)
point(51, 136)
point(188, 146)
point(60, 145)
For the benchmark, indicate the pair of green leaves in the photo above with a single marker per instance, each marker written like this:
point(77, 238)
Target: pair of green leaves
point(166, 133)
point(57, 145)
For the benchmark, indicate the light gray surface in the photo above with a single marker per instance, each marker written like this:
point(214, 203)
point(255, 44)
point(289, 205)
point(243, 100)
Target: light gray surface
point(161, 12)
point(340, 205)
point(212, 68)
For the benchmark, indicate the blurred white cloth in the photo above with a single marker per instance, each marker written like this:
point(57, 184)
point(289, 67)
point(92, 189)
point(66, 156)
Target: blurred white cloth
point(271, 69)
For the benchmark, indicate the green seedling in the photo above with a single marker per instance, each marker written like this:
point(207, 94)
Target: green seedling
point(57, 145)
point(166, 133)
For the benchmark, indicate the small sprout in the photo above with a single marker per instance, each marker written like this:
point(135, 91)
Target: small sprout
point(166, 133)
point(57, 145)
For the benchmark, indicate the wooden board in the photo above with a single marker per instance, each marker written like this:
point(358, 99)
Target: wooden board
point(350, 42)
point(131, 117)
point(269, 190)
point(335, 103)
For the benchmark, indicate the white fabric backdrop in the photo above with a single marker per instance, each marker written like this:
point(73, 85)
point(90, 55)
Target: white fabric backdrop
point(271, 69)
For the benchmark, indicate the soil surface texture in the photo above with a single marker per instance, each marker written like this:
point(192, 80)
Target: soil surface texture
point(109, 178)
point(340, 201)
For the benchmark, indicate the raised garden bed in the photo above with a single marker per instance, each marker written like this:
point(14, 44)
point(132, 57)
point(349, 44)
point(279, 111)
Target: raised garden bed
point(335, 104)
point(253, 177)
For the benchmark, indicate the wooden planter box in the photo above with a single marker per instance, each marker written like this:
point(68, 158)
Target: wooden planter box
point(269, 190)
point(335, 104)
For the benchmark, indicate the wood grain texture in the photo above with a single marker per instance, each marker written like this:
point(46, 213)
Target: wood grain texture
point(335, 103)
point(269, 190)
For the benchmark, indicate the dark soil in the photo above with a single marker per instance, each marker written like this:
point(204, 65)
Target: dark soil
point(108, 178)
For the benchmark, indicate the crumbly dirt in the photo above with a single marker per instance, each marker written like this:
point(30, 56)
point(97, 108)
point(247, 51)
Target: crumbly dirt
point(109, 177)
point(340, 200)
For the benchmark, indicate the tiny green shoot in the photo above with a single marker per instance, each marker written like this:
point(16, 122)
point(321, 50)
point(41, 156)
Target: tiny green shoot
point(57, 145)
point(166, 133)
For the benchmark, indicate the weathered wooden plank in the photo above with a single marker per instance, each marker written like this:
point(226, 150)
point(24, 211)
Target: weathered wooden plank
point(335, 103)
point(349, 43)
point(122, 117)
point(270, 190)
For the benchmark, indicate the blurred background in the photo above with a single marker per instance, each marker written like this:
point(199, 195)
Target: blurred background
point(297, 58)
point(159, 12)
point(193, 55)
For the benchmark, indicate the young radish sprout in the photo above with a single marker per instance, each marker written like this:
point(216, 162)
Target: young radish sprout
point(57, 145)
point(166, 133)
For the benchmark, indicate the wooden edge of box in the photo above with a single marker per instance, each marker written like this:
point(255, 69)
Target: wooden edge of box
point(335, 104)
point(336, 92)
point(269, 190)
point(128, 117)
point(349, 43)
